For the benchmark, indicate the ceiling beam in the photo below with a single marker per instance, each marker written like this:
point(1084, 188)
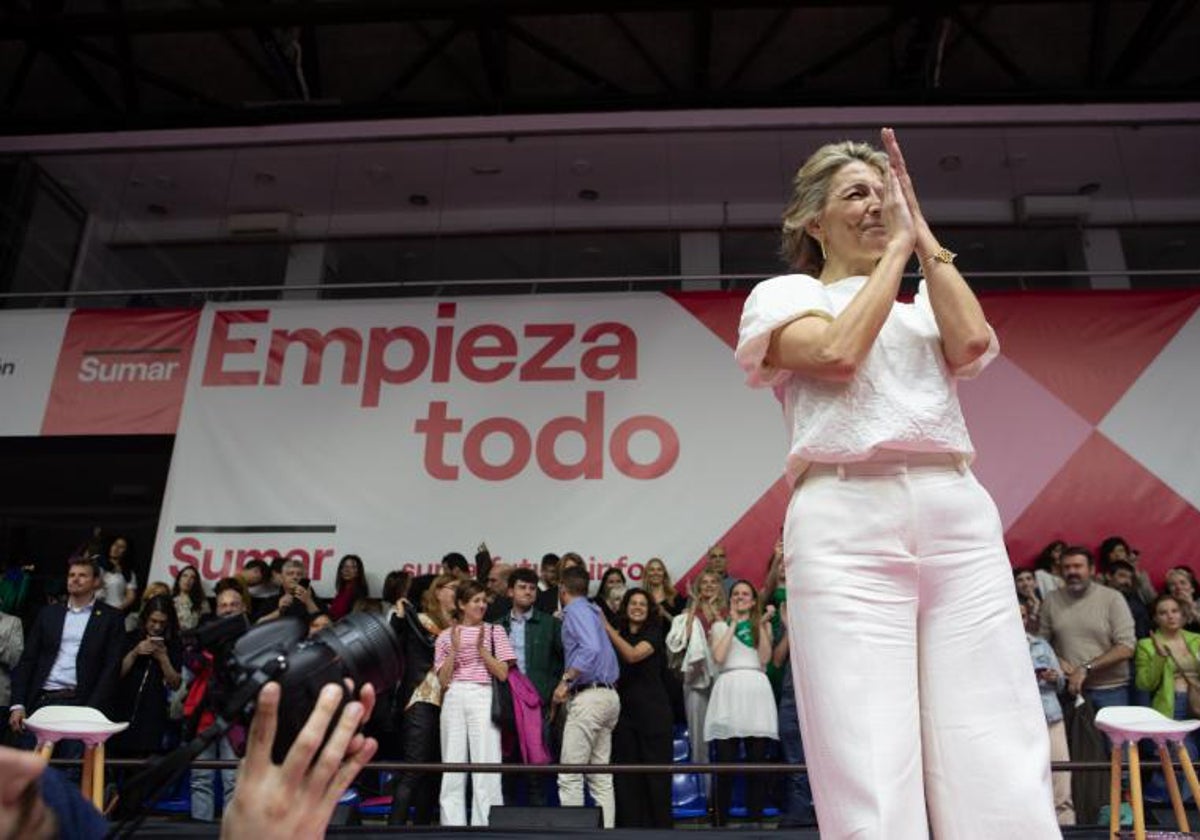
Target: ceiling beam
point(640, 49)
point(433, 48)
point(560, 57)
point(19, 24)
point(124, 49)
point(1153, 27)
point(492, 40)
point(310, 61)
point(1096, 42)
point(150, 77)
point(990, 49)
point(20, 76)
point(854, 45)
point(760, 44)
point(702, 25)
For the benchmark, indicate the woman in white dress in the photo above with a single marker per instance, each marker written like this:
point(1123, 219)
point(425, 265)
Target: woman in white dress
point(688, 643)
point(741, 709)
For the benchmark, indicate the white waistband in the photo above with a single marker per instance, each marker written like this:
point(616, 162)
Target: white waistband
point(891, 462)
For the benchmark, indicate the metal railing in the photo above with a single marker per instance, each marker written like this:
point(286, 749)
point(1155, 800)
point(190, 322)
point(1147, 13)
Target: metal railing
point(630, 282)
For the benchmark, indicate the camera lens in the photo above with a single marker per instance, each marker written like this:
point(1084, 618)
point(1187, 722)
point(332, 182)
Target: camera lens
point(361, 647)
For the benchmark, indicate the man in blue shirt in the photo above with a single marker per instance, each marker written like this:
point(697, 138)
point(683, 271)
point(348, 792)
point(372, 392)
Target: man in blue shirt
point(588, 688)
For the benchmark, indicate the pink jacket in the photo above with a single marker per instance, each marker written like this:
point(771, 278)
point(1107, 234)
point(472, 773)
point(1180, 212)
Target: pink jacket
point(527, 710)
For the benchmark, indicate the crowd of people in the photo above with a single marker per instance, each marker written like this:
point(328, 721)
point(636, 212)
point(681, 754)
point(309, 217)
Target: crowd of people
point(515, 665)
point(1100, 634)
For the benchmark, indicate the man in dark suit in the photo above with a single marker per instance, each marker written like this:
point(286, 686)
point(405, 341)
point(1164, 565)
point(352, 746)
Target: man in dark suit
point(73, 651)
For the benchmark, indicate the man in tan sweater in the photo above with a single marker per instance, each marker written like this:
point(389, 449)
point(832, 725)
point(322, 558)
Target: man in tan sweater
point(1091, 629)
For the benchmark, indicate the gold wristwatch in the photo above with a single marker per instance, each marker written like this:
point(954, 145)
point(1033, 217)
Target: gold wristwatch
point(942, 255)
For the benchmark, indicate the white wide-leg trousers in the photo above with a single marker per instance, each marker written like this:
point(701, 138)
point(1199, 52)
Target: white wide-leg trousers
point(911, 665)
point(468, 734)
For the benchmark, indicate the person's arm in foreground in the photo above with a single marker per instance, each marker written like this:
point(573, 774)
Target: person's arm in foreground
point(293, 799)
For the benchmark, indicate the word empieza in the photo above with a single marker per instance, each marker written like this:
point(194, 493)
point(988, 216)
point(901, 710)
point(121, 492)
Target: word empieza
point(244, 351)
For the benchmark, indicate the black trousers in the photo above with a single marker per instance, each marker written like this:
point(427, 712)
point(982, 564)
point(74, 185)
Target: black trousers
point(756, 786)
point(420, 741)
point(642, 801)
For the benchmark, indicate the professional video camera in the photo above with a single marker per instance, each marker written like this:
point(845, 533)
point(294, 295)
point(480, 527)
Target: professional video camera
point(361, 647)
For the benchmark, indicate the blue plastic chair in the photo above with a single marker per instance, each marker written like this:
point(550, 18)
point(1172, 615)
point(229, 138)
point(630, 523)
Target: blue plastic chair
point(687, 796)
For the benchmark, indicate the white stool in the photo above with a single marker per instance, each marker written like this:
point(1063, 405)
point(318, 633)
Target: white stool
point(52, 724)
point(1128, 724)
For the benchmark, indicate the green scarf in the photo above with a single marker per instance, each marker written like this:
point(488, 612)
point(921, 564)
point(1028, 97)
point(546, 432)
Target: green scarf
point(745, 632)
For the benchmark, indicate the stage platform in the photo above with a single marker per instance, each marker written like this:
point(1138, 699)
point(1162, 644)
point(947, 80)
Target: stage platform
point(169, 829)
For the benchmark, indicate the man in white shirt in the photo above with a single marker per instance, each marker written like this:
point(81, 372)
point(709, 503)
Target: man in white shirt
point(73, 651)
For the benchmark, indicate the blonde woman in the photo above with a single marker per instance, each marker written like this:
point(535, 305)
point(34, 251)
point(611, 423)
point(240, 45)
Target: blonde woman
point(688, 643)
point(419, 698)
point(892, 545)
point(657, 583)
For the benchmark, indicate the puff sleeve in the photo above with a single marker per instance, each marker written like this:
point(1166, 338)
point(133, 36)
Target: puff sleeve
point(772, 304)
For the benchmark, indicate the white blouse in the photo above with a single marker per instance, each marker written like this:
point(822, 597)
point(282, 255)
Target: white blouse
point(903, 397)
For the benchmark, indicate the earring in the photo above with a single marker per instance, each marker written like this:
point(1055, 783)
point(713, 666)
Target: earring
point(824, 256)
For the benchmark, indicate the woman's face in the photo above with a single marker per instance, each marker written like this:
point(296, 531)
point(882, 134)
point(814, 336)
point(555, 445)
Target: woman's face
point(709, 586)
point(156, 624)
point(1180, 586)
point(741, 599)
point(348, 570)
point(1167, 615)
point(117, 550)
point(656, 573)
point(613, 577)
point(851, 223)
point(1027, 584)
point(474, 608)
point(187, 579)
point(638, 608)
point(445, 598)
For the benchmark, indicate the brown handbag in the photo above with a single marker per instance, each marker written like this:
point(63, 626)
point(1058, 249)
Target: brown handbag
point(1193, 687)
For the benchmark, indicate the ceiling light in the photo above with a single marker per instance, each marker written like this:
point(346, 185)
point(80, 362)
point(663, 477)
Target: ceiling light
point(1090, 188)
point(264, 179)
point(418, 200)
point(588, 195)
point(157, 209)
point(486, 169)
point(950, 163)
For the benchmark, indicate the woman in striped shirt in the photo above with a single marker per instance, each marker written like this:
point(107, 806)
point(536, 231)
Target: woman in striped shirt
point(466, 657)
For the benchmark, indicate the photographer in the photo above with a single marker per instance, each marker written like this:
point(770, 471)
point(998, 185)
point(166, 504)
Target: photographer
point(296, 598)
point(207, 691)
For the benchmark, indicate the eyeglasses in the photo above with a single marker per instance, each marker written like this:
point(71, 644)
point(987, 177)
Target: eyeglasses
point(716, 556)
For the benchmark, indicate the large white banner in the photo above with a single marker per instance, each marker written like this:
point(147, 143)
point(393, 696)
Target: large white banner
point(617, 427)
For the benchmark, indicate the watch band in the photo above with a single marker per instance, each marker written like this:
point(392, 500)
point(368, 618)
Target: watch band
point(942, 255)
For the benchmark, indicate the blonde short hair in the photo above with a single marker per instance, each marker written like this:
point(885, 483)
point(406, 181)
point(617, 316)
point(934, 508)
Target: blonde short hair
point(810, 191)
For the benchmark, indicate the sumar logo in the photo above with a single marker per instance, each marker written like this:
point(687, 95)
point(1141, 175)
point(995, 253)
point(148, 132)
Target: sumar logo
point(8, 368)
